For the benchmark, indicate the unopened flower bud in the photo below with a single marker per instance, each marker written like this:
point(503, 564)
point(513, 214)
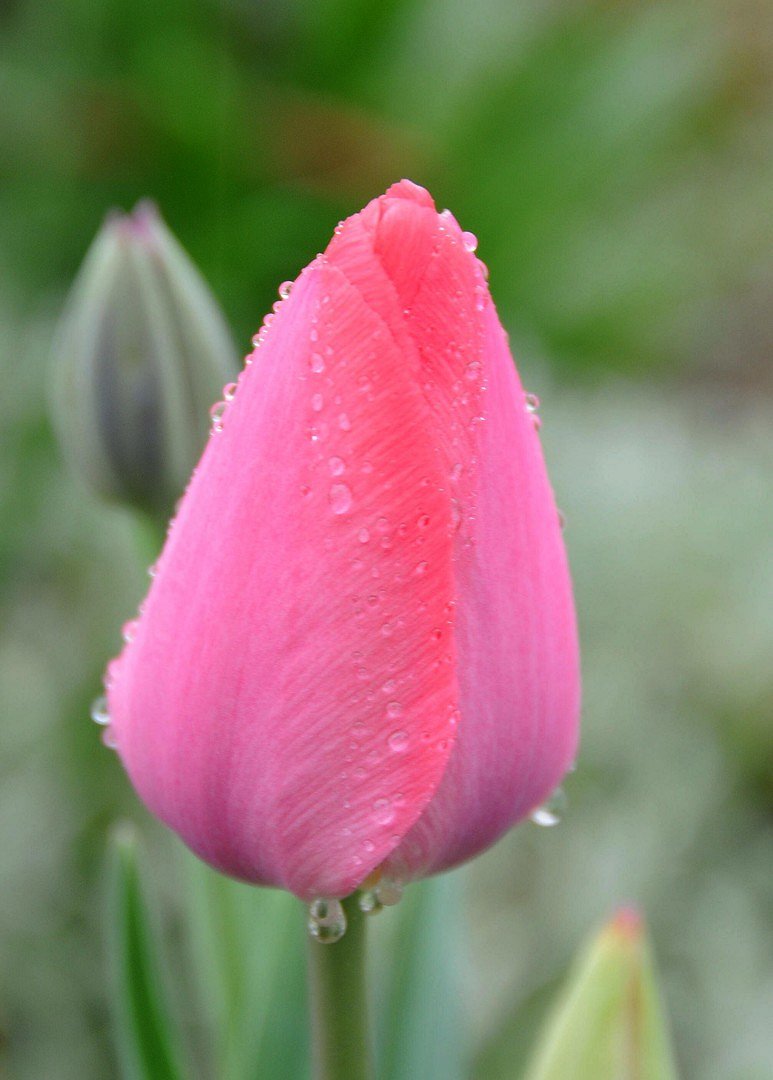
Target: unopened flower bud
point(140, 354)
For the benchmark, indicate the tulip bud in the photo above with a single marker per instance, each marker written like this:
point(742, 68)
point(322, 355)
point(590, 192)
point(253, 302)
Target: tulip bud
point(358, 654)
point(608, 1023)
point(140, 354)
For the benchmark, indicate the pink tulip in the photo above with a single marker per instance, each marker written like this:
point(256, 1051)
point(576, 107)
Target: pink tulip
point(359, 647)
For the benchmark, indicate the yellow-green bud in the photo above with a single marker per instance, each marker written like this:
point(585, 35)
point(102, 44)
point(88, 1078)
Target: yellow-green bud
point(140, 354)
point(608, 1023)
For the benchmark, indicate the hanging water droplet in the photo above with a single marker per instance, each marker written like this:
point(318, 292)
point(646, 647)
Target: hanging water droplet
point(152, 570)
point(229, 391)
point(551, 811)
point(327, 921)
point(285, 289)
point(389, 891)
point(99, 713)
point(336, 466)
point(398, 741)
point(369, 903)
point(532, 403)
point(129, 630)
point(470, 241)
point(340, 498)
point(257, 339)
point(108, 738)
point(216, 414)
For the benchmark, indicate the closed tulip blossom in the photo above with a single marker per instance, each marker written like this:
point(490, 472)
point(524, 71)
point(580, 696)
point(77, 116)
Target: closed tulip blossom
point(358, 653)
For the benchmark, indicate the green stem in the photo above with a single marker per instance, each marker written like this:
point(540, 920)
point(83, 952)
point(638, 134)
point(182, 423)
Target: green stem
point(339, 1015)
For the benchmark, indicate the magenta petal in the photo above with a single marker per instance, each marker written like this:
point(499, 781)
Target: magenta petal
point(289, 703)
point(516, 639)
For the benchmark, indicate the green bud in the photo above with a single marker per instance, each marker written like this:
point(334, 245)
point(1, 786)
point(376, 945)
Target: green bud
point(140, 355)
point(608, 1024)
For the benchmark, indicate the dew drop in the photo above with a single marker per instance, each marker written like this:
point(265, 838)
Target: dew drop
point(369, 845)
point(470, 241)
point(152, 570)
point(551, 811)
point(99, 713)
point(317, 363)
point(336, 466)
point(457, 471)
point(327, 921)
point(129, 630)
point(394, 709)
point(285, 289)
point(389, 891)
point(108, 738)
point(363, 536)
point(344, 422)
point(473, 370)
point(423, 521)
point(398, 741)
point(369, 903)
point(532, 403)
point(317, 402)
point(384, 811)
point(229, 391)
point(340, 498)
point(216, 414)
point(420, 569)
point(561, 520)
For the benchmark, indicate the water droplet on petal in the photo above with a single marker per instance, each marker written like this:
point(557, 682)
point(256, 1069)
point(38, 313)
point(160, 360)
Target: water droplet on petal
point(129, 630)
point(470, 241)
point(473, 371)
point(551, 811)
point(336, 466)
point(317, 402)
point(229, 391)
point(420, 569)
point(561, 520)
point(389, 891)
point(532, 403)
point(108, 739)
point(216, 414)
point(398, 741)
point(317, 363)
point(99, 713)
point(285, 289)
point(327, 921)
point(394, 709)
point(384, 811)
point(363, 536)
point(340, 498)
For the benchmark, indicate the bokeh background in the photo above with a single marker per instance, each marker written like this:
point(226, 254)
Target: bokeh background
point(616, 162)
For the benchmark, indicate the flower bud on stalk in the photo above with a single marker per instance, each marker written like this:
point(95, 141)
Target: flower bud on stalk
point(358, 655)
point(141, 352)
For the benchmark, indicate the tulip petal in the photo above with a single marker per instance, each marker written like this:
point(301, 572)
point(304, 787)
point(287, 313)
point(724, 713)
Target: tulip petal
point(289, 702)
point(516, 635)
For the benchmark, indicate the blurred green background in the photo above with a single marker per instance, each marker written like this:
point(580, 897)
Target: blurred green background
point(616, 162)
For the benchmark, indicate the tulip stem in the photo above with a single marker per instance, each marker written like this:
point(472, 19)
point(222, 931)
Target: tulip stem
point(339, 1015)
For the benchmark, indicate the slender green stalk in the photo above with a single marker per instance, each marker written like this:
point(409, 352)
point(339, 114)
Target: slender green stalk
point(339, 1016)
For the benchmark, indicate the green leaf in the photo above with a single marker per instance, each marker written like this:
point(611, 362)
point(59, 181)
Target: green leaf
point(608, 1024)
point(424, 1032)
point(147, 1043)
point(249, 950)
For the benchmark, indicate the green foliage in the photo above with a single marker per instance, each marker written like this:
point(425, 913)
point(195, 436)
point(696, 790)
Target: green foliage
point(145, 1036)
